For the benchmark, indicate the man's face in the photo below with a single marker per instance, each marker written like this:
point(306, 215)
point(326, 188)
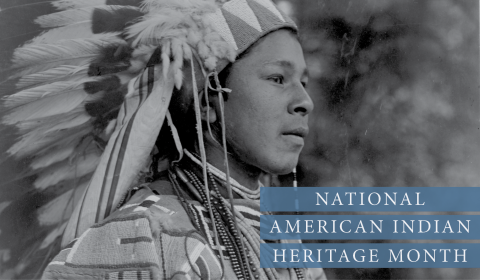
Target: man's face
point(267, 111)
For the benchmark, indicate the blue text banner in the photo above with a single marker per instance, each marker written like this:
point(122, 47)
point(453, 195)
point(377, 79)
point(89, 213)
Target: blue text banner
point(370, 227)
point(386, 199)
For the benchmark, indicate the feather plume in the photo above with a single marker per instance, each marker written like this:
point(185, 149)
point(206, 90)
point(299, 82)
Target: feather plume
point(178, 78)
point(53, 212)
point(165, 56)
point(177, 52)
point(199, 6)
point(55, 155)
point(143, 53)
point(75, 121)
point(47, 106)
point(76, 15)
point(35, 93)
point(76, 4)
point(82, 46)
point(60, 73)
point(35, 142)
point(187, 51)
point(38, 132)
point(60, 208)
point(85, 164)
point(41, 128)
point(54, 234)
point(109, 128)
point(151, 29)
point(36, 58)
point(114, 20)
point(72, 31)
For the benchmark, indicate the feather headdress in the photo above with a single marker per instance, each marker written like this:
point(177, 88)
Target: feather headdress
point(87, 89)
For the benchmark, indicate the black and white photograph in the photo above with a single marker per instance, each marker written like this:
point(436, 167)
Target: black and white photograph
point(137, 136)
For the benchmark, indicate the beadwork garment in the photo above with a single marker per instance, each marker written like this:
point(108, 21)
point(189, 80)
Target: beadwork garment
point(151, 237)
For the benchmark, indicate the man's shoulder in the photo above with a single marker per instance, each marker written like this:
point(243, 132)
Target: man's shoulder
point(126, 241)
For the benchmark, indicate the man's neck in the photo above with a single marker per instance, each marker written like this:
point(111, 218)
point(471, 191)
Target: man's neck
point(241, 172)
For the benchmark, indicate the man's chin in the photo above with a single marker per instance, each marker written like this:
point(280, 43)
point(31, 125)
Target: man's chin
point(284, 168)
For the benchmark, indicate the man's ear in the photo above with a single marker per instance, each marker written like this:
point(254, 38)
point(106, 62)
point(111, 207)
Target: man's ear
point(208, 109)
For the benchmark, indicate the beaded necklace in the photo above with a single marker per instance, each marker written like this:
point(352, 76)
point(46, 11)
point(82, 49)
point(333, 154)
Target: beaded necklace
point(241, 241)
point(242, 191)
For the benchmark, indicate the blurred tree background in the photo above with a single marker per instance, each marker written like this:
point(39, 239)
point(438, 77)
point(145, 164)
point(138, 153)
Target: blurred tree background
point(396, 91)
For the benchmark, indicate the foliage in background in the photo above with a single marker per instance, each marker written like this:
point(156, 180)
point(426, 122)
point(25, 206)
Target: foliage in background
point(395, 85)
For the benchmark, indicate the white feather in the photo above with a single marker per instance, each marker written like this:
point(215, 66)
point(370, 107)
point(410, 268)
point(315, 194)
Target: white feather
point(37, 130)
point(67, 124)
point(177, 52)
point(178, 78)
point(53, 212)
point(71, 72)
point(166, 50)
point(109, 129)
point(54, 156)
point(75, 15)
point(52, 236)
point(47, 106)
point(34, 142)
point(36, 58)
point(41, 91)
point(72, 31)
point(75, 4)
point(56, 123)
point(59, 209)
point(201, 6)
point(151, 28)
point(64, 171)
point(140, 57)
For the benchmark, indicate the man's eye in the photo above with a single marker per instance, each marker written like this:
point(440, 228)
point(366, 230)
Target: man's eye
point(277, 79)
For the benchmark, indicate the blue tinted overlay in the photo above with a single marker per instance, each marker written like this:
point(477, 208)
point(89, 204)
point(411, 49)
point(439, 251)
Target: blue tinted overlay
point(371, 255)
point(375, 227)
point(316, 199)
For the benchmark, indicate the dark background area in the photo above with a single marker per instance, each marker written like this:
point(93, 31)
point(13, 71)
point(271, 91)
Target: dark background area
point(396, 90)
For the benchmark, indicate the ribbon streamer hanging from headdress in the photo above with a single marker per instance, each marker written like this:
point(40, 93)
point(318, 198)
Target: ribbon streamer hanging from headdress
point(138, 125)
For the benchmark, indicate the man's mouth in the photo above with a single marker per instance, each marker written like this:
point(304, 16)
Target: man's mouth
point(300, 132)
